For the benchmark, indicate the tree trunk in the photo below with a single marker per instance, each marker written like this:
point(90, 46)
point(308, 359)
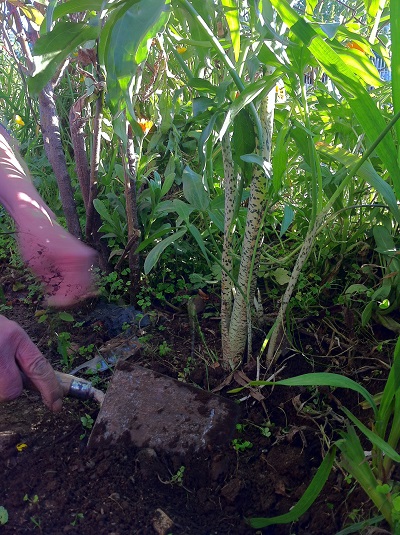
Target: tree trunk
point(50, 126)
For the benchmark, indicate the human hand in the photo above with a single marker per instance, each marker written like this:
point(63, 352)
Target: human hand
point(19, 354)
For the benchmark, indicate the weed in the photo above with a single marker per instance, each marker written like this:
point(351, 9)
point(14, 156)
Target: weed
point(164, 349)
point(36, 522)
point(78, 516)
point(33, 500)
point(176, 479)
point(87, 424)
point(63, 347)
point(3, 515)
point(240, 444)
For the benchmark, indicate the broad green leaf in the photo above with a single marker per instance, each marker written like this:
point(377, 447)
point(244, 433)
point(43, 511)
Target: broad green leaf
point(384, 241)
point(194, 190)
point(54, 47)
point(360, 63)
point(124, 44)
point(154, 255)
point(310, 495)
point(183, 209)
point(243, 140)
point(366, 172)
point(232, 18)
point(100, 207)
point(76, 6)
point(202, 85)
point(66, 316)
point(360, 101)
point(204, 136)
point(288, 216)
point(395, 58)
point(168, 183)
point(322, 379)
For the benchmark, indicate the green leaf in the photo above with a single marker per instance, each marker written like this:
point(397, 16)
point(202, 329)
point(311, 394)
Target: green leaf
point(76, 6)
point(280, 157)
point(367, 313)
point(232, 18)
point(54, 47)
point(3, 515)
point(199, 239)
point(124, 44)
point(182, 209)
point(100, 207)
point(252, 91)
point(376, 440)
point(384, 241)
point(288, 216)
point(395, 56)
point(310, 495)
point(360, 101)
point(366, 172)
point(194, 190)
point(322, 379)
point(154, 255)
point(65, 316)
point(243, 140)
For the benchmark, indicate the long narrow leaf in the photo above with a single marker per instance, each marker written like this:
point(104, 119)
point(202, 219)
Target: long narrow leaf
point(310, 495)
point(360, 101)
point(322, 379)
point(366, 172)
point(377, 441)
point(155, 253)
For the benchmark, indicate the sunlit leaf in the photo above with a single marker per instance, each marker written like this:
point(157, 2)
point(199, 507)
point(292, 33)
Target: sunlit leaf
point(54, 47)
point(232, 18)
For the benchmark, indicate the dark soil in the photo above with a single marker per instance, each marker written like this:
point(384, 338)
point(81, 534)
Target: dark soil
point(52, 483)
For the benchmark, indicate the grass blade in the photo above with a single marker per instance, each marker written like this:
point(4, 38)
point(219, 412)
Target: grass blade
point(310, 495)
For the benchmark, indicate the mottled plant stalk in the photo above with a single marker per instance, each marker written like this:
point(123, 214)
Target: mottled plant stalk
point(240, 324)
point(226, 281)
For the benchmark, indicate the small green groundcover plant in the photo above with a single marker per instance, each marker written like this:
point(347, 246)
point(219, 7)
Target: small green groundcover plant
point(373, 471)
point(3, 515)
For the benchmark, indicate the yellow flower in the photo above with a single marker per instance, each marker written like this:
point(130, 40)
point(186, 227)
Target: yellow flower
point(21, 446)
point(181, 49)
point(145, 125)
point(19, 120)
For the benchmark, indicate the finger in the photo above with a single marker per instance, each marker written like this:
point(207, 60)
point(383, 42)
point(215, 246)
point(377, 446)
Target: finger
point(10, 380)
point(39, 372)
